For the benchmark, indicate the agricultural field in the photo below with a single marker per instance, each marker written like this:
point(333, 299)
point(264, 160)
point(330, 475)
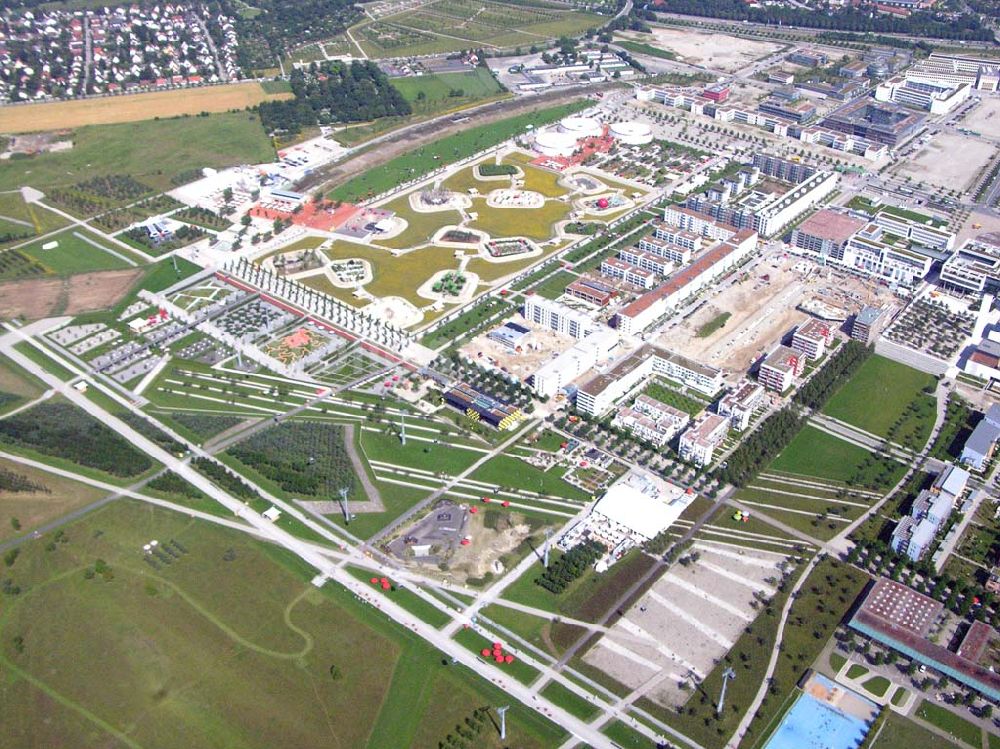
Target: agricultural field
point(893, 386)
point(236, 644)
point(133, 107)
point(454, 25)
point(153, 151)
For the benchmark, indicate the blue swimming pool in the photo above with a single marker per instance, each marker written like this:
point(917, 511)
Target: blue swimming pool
point(814, 724)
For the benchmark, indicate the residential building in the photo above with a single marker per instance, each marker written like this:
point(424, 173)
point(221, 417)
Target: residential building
point(646, 260)
point(778, 371)
point(640, 314)
point(698, 443)
point(812, 337)
point(741, 404)
point(973, 269)
point(981, 444)
point(694, 222)
point(914, 535)
point(798, 111)
point(783, 169)
point(627, 272)
point(601, 392)
point(558, 317)
point(915, 227)
point(556, 374)
point(941, 69)
point(650, 420)
point(868, 324)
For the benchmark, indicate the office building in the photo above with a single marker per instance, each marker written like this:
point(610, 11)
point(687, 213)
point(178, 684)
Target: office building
point(973, 269)
point(826, 233)
point(878, 122)
point(936, 98)
point(868, 324)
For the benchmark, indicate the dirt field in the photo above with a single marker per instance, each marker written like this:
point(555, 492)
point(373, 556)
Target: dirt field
point(538, 346)
point(34, 508)
point(985, 118)
point(936, 163)
point(132, 107)
point(70, 296)
point(719, 52)
point(761, 312)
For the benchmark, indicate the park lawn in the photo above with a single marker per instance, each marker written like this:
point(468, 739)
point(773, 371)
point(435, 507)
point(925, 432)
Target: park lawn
point(447, 151)
point(406, 598)
point(554, 286)
point(538, 180)
point(420, 226)
point(950, 723)
point(16, 382)
point(445, 458)
point(475, 642)
point(492, 272)
point(646, 49)
point(533, 223)
point(54, 497)
point(816, 453)
point(899, 732)
point(569, 701)
point(626, 737)
point(671, 397)
point(899, 696)
point(837, 661)
point(80, 251)
point(889, 384)
point(877, 685)
point(512, 473)
point(153, 151)
point(856, 671)
point(235, 643)
point(476, 315)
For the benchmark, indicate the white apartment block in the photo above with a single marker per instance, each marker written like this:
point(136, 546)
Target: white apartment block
point(954, 70)
point(698, 443)
point(559, 372)
point(695, 222)
point(646, 260)
point(921, 232)
point(601, 392)
point(937, 98)
point(558, 317)
point(741, 404)
point(651, 420)
point(779, 370)
point(812, 337)
point(627, 272)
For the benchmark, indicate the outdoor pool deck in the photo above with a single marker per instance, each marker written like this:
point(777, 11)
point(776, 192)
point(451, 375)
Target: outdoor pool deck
point(825, 716)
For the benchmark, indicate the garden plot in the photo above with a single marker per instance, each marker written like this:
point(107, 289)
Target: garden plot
point(720, 52)
point(938, 327)
point(302, 343)
point(202, 295)
point(687, 621)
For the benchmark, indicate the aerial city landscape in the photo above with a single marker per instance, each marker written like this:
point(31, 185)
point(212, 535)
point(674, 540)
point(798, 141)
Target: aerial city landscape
point(528, 374)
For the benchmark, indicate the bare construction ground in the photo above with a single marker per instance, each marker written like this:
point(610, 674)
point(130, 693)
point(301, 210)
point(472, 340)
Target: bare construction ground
point(687, 621)
point(938, 163)
point(762, 305)
point(84, 292)
point(720, 52)
point(537, 347)
point(985, 118)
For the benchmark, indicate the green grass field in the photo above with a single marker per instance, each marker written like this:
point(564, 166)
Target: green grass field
point(228, 645)
point(953, 725)
point(889, 384)
point(31, 509)
point(152, 151)
point(445, 151)
point(900, 733)
point(79, 251)
point(429, 94)
point(516, 474)
point(646, 49)
point(818, 454)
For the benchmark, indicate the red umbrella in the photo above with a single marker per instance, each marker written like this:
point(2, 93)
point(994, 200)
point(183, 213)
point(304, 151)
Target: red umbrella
point(486, 499)
point(497, 644)
point(386, 586)
point(466, 542)
point(505, 503)
point(509, 658)
point(473, 510)
point(499, 659)
point(374, 581)
point(485, 652)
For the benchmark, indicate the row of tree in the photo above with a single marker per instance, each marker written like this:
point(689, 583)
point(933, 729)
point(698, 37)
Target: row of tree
point(841, 367)
point(966, 27)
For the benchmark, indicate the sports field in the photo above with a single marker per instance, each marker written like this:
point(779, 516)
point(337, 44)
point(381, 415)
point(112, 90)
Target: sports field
point(227, 644)
point(152, 151)
point(890, 385)
point(133, 107)
point(443, 91)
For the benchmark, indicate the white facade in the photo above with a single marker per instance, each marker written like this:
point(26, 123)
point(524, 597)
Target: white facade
point(698, 443)
point(556, 374)
point(937, 98)
point(558, 317)
point(741, 404)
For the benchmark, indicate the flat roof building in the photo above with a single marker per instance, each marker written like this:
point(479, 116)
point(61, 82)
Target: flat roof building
point(867, 324)
point(779, 370)
point(812, 337)
point(880, 122)
point(698, 443)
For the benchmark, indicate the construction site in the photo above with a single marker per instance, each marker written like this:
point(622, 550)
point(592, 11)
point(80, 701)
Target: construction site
point(760, 305)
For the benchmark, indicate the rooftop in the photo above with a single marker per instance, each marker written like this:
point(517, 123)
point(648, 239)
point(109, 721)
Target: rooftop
point(830, 225)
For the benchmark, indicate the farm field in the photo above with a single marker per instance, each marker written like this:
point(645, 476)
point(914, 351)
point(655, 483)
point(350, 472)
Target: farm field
point(891, 385)
point(430, 94)
point(153, 151)
point(453, 25)
point(226, 645)
point(133, 107)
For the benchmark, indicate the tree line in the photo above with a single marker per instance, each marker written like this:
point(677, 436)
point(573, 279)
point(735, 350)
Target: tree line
point(334, 92)
point(570, 566)
point(966, 27)
point(841, 367)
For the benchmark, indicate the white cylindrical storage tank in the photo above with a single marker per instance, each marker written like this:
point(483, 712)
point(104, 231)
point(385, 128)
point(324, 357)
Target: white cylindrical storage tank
point(555, 143)
point(632, 133)
point(581, 127)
